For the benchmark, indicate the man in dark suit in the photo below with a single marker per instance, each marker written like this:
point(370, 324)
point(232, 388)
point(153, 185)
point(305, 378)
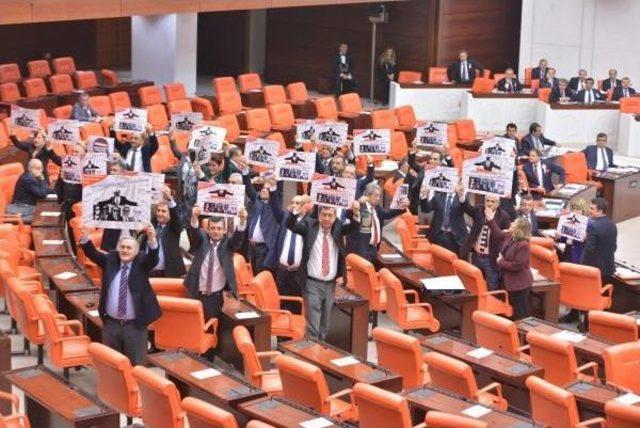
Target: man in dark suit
point(343, 78)
point(127, 302)
point(535, 139)
point(526, 211)
point(549, 80)
point(540, 71)
point(447, 227)
point(263, 227)
point(137, 150)
point(577, 84)
point(623, 90)
point(82, 110)
point(539, 173)
point(509, 83)
point(561, 92)
point(599, 156)
point(464, 69)
point(322, 262)
point(612, 82)
point(588, 95)
point(207, 278)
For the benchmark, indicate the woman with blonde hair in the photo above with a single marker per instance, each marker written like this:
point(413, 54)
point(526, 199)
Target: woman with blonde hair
point(387, 70)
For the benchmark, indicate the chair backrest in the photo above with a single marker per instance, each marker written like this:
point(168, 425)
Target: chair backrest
point(249, 81)
point(160, 400)
point(384, 119)
point(365, 278)
point(157, 116)
point(303, 383)
point(580, 286)
point(39, 68)
point(91, 129)
point(551, 405)
point(395, 295)
point(437, 75)
point(267, 295)
point(179, 106)
point(9, 92)
point(229, 102)
point(116, 385)
point(399, 146)
point(496, 333)
point(281, 114)
point(350, 103)
point(181, 324)
point(224, 84)
point(535, 85)
point(622, 415)
point(170, 287)
point(60, 83)
point(258, 120)
point(406, 116)
point(465, 129)
point(544, 94)
point(556, 356)
point(230, 123)
point(406, 76)
point(630, 105)
point(64, 65)
point(35, 87)
point(9, 73)
point(622, 365)
point(527, 75)
point(443, 260)
point(119, 100)
point(149, 95)
point(274, 94)
point(110, 77)
point(101, 104)
point(471, 277)
point(451, 374)
point(250, 360)
point(297, 92)
point(400, 353)
point(545, 261)
point(614, 327)
point(435, 419)
point(326, 108)
point(201, 414)
point(575, 166)
point(380, 408)
point(86, 80)
point(174, 91)
point(482, 85)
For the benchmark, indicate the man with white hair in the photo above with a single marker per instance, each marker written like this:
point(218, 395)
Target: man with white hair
point(509, 83)
point(30, 188)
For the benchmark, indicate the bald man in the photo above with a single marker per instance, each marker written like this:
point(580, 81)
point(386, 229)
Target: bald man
point(30, 188)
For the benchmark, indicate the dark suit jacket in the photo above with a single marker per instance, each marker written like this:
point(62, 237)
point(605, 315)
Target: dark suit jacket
point(544, 83)
point(617, 93)
point(533, 220)
point(147, 150)
point(527, 144)
point(573, 83)
point(362, 182)
point(29, 190)
point(83, 114)
point(537, 74)
point(268, 223)
point(595, 95)
point(323, 166)
point(516, 86)
point(601, 245)
point(548, 168)
point(477, 215)
point(556, 94)
point(591, 153)
point(309, 228)
point(144, 299)
point(280, 216)
point(170, 242)
point(456, 217)
point(110, 239)
point(43, 155)
point(606, 84)
point(358, 241)
point(453, 71)
point(336, 66)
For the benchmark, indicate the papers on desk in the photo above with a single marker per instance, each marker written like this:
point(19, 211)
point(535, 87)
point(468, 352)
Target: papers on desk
point(365, 112)
point(205, 374)
point(480, 353)
point(50, 213)
point(93, 313)
point(65, 275)
point(52, 242)
point(451, 282)
point(345, 361)
point(548, 233)
point(571, 189)
point(246, 315)
point(476, 411)
point(51, 197)
point(316, 423)
point(569, 336)
point(625, 273)
point(628, 399)
point(622, 170)
point(391, 256)
point(536, 275)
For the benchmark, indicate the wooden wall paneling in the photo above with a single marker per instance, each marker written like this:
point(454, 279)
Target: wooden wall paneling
point(229, 5)
point(15, 12)
point(157, 7)
point(113, 43)
point(59, 10)
point(221, 43)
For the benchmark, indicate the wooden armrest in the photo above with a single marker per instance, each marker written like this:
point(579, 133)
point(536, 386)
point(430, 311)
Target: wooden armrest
point(592, 421)
point(338, 394)
point(213, 322)
point(266, 372)
point(607, 289)
point(294, 299)
point(75, 338)
point(424, 305)
point(72, 323)
point(268, 353)
point(414, 293)
point(501, 293)
point(591, 365)
point(492, 385)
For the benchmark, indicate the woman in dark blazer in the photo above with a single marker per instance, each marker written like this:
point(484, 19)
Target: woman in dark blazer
point(38, 147)
point(513, 263)
point(387, 70)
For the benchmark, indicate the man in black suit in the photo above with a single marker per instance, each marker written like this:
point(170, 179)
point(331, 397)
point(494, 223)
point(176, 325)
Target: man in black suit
point(207, 278)
point(599, 156)
point(447, 227)
point(322, 262)
point(511, 132)
point(623, 90)
point(464, 69)
point(127, 302)
point(561, 93)
point(535, 139)
point(343, 79)
point(509, 83)
point(138, 149)
point(30, 188)
point(540, 71)
point(588, 95)
point(526, 211)
point(549, 80)
point(539, 173)
point(263, 227)
point(612, 82)
point(577, 84)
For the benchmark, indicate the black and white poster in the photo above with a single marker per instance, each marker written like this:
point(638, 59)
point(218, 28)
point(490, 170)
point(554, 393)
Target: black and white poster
point(130, 120)
point(488, 175)
point(95, 164)
point(573, 226)
point(499, 146)
point(205, 140)
point(64, 131)
point(261, 152)
point(296, 166)
point(332, 191)
point(25, 118)
point(441, 179)
point(371, 142)
point(400, 197)
point(117, 202)
point(306, 130)
point(155, 184)
point(186, 122)
point(97, 144)
point(71, 169)
point(332, 133)
point(432, 134)
point(220, 200)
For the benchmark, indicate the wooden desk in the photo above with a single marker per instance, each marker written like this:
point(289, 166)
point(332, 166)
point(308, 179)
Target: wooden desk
point(225, 390)
point(252, 99)
point(303, 110)
point(12, 154)
point(499, 95)
point(5, 365)
point(622, 192)
point(40, 220)
point(426, 398)
point(422, 85)
point(626, 294)
point(78, 305)
point(548, 292)
point(588, 193)
point(282, 413)
point(361, 121)
point(580, 106)
point(52, 266)
point(321, 354)
point(41, 234)
point(349, 329)
point(390, 256)
point(51, 401)
point(45, 102)
point(591, 397)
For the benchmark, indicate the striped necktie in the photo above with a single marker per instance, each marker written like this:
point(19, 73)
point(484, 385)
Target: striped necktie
point(122, 292)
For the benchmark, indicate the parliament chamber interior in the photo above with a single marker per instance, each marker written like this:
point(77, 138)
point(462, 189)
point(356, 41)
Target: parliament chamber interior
point(319, 213)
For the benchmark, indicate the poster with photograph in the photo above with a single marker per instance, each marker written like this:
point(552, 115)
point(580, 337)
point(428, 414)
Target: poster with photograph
point(441, 179)
point(488, 175)
point(499, 146)
point(95, 164)
point(573, 226)
point(130, 120)
point(371, 142)
point(117, 202)
point(400, 197)
point(432, 134)
point(205, 140)
point(25, 118)
point(97, 144)
point(332, 133)
point(220, 200)
point(329, 191)
point(261, 152)
point(64, 131)
point(296, 166)
point(71, 169)
point(306, 130)
point(186, 122)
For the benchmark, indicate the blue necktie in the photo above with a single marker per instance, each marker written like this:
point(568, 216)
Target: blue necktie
point(292, 249)
point(122, 292)
point(256, 215)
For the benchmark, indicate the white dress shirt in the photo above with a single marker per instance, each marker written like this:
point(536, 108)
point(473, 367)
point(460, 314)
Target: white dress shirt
point(314, 266)
point(137, 152)
point(465, 70)
point(162, 229)
point(343, 59)
point(375, 223)
point(219, 278)
point(297, 257)
point(257, 237)
point(537, 167)
point(589, 97)
point(602, 158)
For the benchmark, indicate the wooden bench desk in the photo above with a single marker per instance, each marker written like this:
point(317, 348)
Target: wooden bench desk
point(592, 397)
point(282, 413)
point(322, 354)
point(349, 328)
point(59, 270)
point(390, 256)
point(83, 306)
point(58, 245)
point(48, 214)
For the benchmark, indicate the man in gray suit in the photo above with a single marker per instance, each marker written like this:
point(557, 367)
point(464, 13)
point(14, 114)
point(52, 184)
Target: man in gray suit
point(82, 110)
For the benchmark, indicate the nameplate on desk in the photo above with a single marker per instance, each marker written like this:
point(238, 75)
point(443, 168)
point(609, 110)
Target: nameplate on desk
point(65, 275)
point(205, 374)
point(247, 315)
point(50, 214)
point(51, 197)
point(450, 282)
point(476, 411)
point(536, 275)
point(480, 353)
point(316, 423)
point(391, 256)
point(569, 336)
point(93, 313)
point(345, 361)
point(625, 273)
point(52, 242)
point(628, 399)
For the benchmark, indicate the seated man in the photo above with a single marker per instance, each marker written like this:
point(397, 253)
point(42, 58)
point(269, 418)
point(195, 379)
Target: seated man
point(540, 71)
point(612, 82)
point(624, 90)
point(511, 133)
point(561, 93)
point(526, 211)
point(82, 110)
point(509, 83)
point(30, 188)
point(588, 95)
point(539, 173)
point(534, 140)
point(578, 83)
point(343, 79)
point(549, 80)
point(599, 156)
point(464, 69)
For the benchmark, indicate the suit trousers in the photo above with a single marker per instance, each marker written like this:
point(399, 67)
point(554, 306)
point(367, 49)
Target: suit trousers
point(126, 338)
point(448, 241)
point(212, 305)
point(258, 254)
point(318, 303)
point(287, 283)
point(520, 302)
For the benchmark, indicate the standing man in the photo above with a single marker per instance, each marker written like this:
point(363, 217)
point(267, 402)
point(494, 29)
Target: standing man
point(138, 149)
point(127, 301)
point(539, 173)
point(82, 110)
point(263, 227)
point(549, 80)
point(540, 71)
point(211, 270)
point(464, 69)
point(343, 79)
point(322, 262)
point(577, 84)
point(526, 211)
point(447, 227)
point(612, 82)
point(599, 156)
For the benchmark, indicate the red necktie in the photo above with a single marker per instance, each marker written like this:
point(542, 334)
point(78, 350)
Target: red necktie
point(325, 254)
